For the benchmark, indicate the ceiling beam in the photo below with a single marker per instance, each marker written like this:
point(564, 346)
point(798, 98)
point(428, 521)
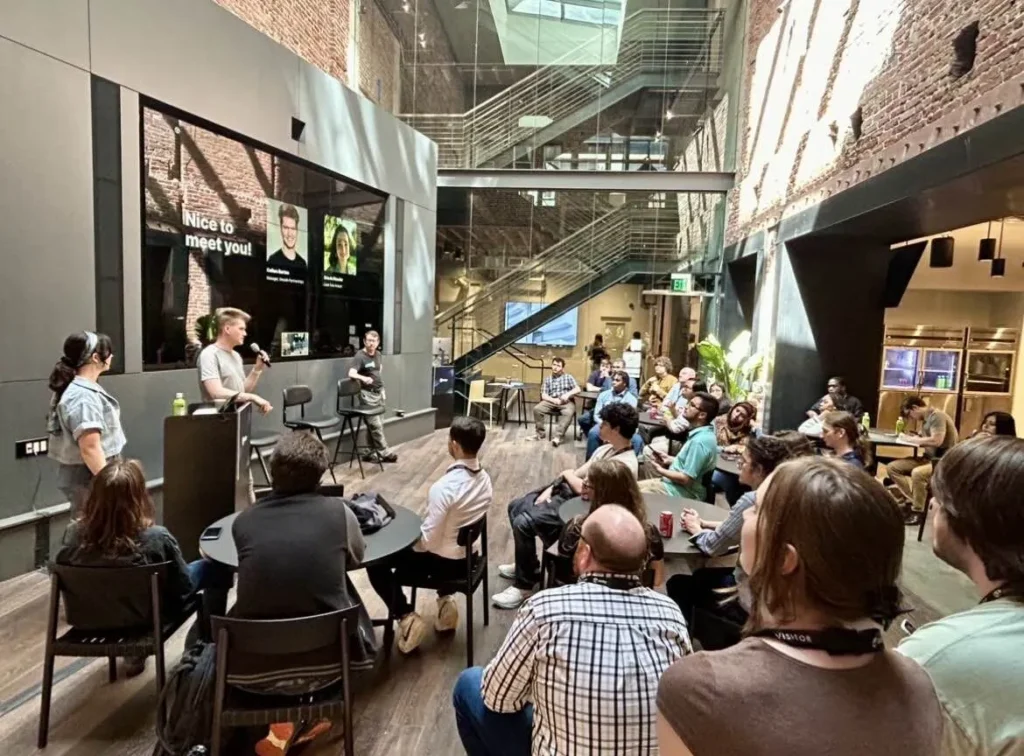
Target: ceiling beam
point(597, 181)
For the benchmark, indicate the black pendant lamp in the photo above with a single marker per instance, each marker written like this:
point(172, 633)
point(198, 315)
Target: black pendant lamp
point(942, 252)
point(999, 263)
point(987, 246)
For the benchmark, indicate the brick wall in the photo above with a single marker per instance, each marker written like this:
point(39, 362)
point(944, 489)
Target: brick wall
point(704, 152)
point(379, 55)
point(431, 82)
point(811, 64)
point(315, 30)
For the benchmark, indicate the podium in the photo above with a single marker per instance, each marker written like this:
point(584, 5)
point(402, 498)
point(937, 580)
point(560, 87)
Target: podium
point(206, 471)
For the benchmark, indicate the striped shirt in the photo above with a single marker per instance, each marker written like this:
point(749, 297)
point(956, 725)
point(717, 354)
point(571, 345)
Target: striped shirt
point(718, 541)
point(589, 657)
point(556, 386)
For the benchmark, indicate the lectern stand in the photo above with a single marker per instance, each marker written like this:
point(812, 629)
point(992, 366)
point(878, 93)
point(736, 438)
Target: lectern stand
point(206, 471)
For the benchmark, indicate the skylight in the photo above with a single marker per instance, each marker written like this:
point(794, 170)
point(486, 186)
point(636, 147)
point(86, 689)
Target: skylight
point(594, 13)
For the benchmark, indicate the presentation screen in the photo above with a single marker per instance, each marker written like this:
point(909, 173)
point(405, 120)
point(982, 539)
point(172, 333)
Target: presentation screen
point(229, 223)
point(558, 332)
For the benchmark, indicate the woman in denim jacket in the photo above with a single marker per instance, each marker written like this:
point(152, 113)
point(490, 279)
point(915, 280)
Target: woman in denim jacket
point(84, 423)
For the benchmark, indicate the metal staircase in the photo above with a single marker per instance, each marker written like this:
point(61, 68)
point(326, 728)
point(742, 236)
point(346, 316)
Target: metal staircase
point(630, 240)
point(673, 49)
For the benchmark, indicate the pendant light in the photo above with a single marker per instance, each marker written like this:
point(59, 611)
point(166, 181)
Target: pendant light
point(999, 263)
point(942, 252)
point(987, 246)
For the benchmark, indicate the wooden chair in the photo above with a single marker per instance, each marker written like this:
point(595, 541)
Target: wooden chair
point(476, 396)
point(281, 643)
point(476, 573)
point(348, 411)
point(128, 598)
point(300, 396)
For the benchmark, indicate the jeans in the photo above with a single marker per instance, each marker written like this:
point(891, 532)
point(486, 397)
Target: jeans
point(484, 732)
point(215, 580)
point(698, 589)
point(586, 421)
point(386, 579)
point(530, 521)
point(728, 484)
point(594, 442)
point(374, 424)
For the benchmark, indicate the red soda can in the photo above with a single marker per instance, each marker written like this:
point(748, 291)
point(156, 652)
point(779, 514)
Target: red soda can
point(666, 523)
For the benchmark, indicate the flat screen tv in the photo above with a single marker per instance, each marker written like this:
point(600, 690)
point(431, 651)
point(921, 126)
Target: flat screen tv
point(558, 332)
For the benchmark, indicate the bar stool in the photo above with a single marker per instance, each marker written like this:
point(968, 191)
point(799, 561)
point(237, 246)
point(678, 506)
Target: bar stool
point(348, 411)
point(301, 396)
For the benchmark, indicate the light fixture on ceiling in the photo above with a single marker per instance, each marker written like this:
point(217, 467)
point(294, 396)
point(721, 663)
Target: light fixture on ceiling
point(999, 263)
point(987, 246)
point(942, 252)
point(668, 115)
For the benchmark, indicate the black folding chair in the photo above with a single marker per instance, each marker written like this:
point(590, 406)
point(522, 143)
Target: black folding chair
point(348, 410)
point(300, 396)
point(113, 611)
point(259, 444)
point(476, 573)
point(280, 646)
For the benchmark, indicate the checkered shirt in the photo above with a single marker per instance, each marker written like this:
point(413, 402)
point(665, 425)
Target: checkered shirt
point(589, 657)
point(563, 384)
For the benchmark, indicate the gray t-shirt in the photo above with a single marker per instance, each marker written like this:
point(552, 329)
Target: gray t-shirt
point(936, 420)
point(215, 362)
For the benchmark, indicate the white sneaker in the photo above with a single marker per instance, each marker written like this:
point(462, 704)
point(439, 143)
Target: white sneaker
point(410, 632)
point(507, 571)
point(511, 598)
point(447, 614)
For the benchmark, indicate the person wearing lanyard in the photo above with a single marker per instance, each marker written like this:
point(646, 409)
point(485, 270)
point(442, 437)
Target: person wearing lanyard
point(823, 547)
point(84, 422)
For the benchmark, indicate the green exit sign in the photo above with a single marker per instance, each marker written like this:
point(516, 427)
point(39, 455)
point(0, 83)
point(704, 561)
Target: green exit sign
point(682, 283)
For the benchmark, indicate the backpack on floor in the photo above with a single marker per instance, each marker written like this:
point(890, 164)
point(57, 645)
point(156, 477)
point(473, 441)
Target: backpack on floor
point(187, 698)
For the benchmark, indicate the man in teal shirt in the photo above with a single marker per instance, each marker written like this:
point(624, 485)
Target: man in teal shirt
point(697, 458)
point(974, 657)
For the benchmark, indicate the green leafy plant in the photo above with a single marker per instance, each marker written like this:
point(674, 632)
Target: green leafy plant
point(206, 328)
point(735, 368)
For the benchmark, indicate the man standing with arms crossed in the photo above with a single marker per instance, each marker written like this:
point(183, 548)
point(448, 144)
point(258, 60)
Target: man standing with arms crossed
point(371, 395)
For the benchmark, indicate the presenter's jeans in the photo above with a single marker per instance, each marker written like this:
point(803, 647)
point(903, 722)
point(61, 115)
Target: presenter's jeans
point(374, 423)
point(484, 732)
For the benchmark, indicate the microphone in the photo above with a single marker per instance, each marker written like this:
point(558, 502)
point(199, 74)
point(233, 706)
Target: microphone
point(256, 350)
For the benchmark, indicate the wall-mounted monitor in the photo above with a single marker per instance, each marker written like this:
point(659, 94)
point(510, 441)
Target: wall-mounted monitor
point(560, 332)
point(231, 223)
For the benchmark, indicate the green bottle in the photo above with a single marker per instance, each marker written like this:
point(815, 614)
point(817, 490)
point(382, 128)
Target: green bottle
point(901, 425)
point(179, 407)
point(865, 421)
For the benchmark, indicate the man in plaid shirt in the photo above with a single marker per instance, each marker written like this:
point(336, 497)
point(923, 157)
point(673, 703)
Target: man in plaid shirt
point(578, 672)
point(556, 398)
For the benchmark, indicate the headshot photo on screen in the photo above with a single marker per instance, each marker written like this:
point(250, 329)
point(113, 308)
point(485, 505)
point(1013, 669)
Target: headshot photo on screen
point(287, 237)
point(341, 239)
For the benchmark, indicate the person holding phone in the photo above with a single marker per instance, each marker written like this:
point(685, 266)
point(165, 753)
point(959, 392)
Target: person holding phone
point(84, 423)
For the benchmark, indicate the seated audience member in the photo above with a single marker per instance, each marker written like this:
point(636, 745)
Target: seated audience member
point(974, 657)
point(621, 365)
point(841, 399)
point(761, 455)
point(731, 432)
point(812, 425)
point(911, 474)
point(685, 374)
point(675, 424)
point(617, 393)
point(841, 434)
point(556, 398)
point(997, 424)
point(578, 670)
point(684, 475)
point(116, 528)
point(717, 390)
point(462, 496)
point(294, 548)
point(823, 547)
point(611, 483)
point(535, 515)
point(799, 445)
point(660, 384)
point(600, 379)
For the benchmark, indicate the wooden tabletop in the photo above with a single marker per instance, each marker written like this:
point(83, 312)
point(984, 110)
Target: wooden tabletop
point(401, 533)
point(679, 544)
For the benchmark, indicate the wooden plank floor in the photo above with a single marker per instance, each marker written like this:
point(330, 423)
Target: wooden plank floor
point(407, 709)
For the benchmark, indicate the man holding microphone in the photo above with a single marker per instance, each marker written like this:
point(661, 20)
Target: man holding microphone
point(221, 373)
point(367, 372)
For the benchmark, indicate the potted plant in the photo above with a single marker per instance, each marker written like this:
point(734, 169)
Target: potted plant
point(735, 368)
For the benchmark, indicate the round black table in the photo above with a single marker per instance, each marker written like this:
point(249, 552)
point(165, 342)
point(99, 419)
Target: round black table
point(728, 463)
point(401, 533)
point(679, 544)
point(646, 421)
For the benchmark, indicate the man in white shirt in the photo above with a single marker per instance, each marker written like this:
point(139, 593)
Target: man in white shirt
point(462, 496)
point(536, 514)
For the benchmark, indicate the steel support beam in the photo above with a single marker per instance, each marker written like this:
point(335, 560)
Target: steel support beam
point(596, 181)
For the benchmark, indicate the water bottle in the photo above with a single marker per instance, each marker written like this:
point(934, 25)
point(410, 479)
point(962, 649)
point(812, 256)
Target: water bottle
point(901, 425)
point(179, 406)
point(865, 421)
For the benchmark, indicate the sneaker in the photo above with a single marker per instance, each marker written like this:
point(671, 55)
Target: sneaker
point(389, 457)
point(556, 441)
point(511, 597)
point(447, 614)
point(540, 435)
point(369, 457)
point(410, 632)
point(134, 666)
point(913, 518)
point(507, 571)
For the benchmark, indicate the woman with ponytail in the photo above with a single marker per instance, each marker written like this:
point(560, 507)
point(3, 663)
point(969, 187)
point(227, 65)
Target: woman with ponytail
point(843, 436)
point(84, 423)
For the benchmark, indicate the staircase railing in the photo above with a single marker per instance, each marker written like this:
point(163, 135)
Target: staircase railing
point(654, 41)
